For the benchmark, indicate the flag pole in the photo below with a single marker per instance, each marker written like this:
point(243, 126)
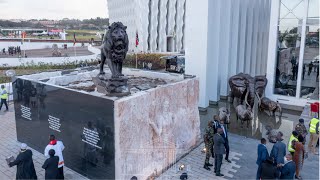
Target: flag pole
point(137, 43)
point(136, 59)
point(74, 44)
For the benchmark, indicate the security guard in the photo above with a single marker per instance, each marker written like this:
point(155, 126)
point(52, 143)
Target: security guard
point(314, 134)
point(294, 136)
point(3, 97)
point(208, 140)
point(302, 130)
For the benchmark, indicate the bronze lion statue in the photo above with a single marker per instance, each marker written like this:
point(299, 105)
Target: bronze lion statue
point(114, 49)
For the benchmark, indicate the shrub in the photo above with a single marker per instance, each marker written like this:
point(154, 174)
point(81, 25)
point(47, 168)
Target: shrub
point(154, 59)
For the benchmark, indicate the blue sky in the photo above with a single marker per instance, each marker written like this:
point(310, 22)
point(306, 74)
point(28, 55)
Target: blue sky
point(52, 9)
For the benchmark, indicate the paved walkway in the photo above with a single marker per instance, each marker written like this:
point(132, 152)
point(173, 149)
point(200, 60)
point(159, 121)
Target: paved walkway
point(193, 163)
point(9, 146)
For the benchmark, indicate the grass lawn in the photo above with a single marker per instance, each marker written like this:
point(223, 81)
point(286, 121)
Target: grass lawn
point(83, 34)
point(83, 31)
point(81, 37)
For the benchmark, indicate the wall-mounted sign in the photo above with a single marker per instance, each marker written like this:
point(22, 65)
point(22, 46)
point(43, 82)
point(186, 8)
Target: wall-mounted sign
point(26, 112)
point(54, 123)
point(91, 137)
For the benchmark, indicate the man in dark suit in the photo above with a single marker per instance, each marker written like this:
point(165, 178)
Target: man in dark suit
point(288, 168)
point(278, 151)
point(225, 137)
point(262, 156)
point(219, 150)
point(268, 170)
point(215, 124)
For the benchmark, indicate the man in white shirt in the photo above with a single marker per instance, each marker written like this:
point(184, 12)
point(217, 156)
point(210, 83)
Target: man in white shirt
point(58, 147)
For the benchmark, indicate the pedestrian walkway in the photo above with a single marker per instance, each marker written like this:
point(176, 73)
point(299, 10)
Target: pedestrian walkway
point(193, 166)
point(9, 146)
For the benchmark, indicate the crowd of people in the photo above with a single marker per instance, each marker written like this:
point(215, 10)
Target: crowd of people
point(53, 165)
point(282, 165)
point(310, 66)
point(216, 144)
point(12, 50)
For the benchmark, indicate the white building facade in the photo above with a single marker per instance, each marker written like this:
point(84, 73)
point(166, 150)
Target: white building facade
point(224, 38)
point(160, 24)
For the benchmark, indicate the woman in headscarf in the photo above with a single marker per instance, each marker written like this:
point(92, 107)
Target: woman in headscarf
point(299, 155)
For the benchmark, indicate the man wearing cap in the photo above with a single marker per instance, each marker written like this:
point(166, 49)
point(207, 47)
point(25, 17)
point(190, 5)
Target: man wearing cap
point(24, 163)
point(314, 134)
point(3, 97)
point(58, 147)
point(302, 130)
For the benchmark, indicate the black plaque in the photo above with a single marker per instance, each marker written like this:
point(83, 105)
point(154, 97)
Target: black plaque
point(84, 123)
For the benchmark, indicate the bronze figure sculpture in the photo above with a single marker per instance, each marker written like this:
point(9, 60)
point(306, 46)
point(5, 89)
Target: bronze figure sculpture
point(241, 84)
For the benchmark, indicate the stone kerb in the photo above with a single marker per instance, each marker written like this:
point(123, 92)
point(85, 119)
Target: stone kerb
point(168, 113)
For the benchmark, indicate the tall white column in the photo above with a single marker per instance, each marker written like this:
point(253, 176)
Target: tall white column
point(179, 24)
point(171, 16)
point(234, 38)
point(142, 21)
point(162, 26)
point(254, 48)
point(242, 36)
point(259, 37)
point(197, 48)
point(213, 50)
point(272, 46)
point(249, 36)
point(265, 34)
point(225, 28)
point(154, 25)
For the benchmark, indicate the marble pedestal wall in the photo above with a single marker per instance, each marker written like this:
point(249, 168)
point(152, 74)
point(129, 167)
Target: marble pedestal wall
point(138, 135)
point(154, 128)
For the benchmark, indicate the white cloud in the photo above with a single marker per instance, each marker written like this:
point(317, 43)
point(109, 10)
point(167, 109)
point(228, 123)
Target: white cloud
point(53, 9)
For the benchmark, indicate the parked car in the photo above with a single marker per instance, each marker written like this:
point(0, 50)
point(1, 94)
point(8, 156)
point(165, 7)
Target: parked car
point(175, 63)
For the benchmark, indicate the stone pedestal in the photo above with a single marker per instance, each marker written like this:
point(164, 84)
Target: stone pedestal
point(112, 86)
point(110, 137)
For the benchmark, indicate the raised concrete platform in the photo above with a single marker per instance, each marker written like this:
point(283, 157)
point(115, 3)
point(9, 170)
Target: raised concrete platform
point(110, 137)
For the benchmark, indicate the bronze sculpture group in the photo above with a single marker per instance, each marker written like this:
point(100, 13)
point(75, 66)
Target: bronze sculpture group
point(246, 88)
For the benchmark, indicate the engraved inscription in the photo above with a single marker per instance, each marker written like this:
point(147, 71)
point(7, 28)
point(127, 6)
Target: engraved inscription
point(54, 123)
point(91, 137)
point(26, 112)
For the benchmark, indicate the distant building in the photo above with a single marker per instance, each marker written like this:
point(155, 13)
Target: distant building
point(160, 24)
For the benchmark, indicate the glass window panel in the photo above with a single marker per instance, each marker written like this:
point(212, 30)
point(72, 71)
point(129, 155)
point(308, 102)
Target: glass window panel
point(289, 41)
point(310, 73)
